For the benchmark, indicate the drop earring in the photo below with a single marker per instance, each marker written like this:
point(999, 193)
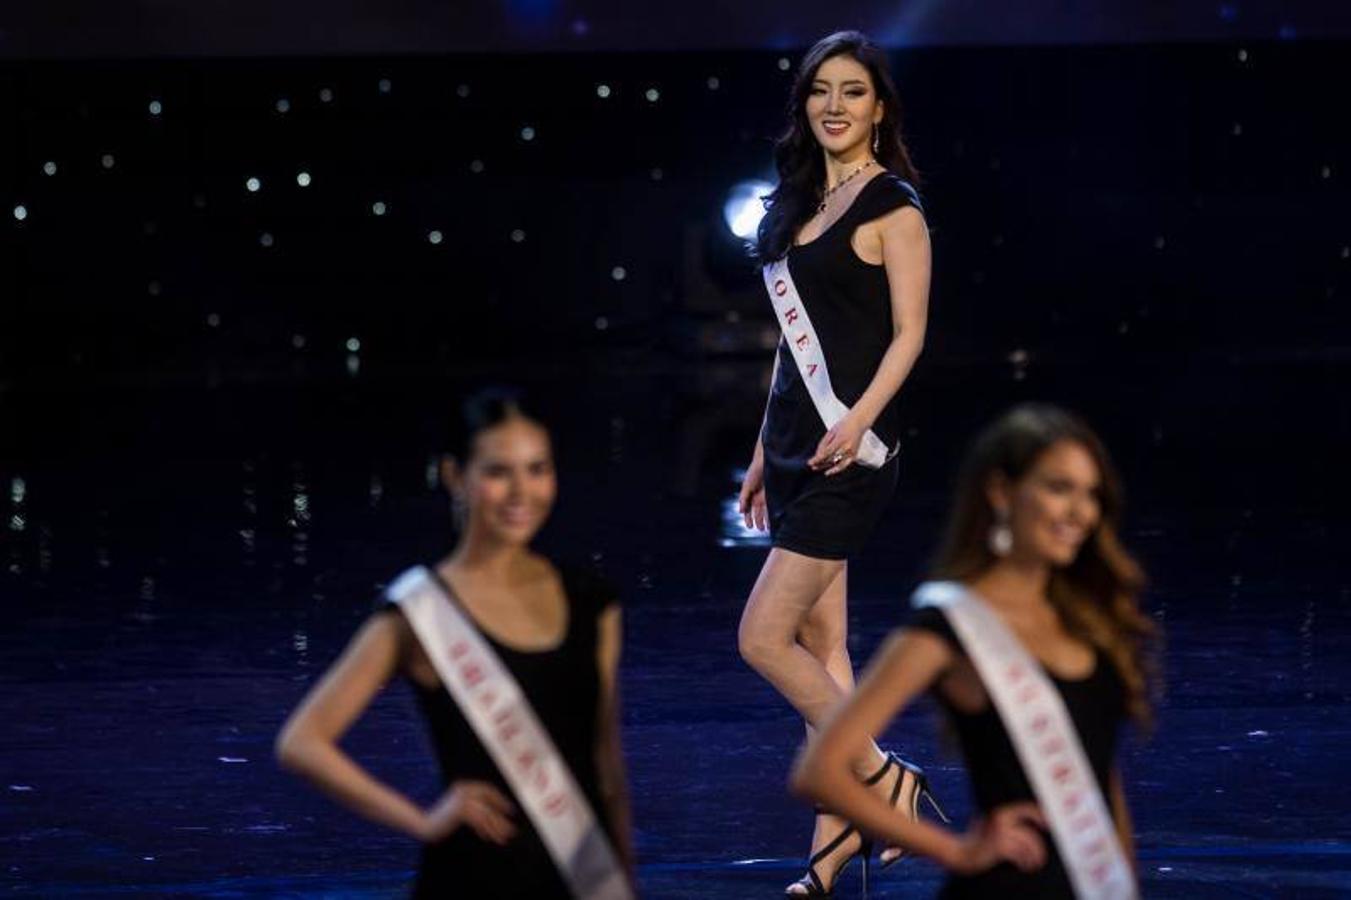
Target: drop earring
point(877, 139)
point(1001, 535)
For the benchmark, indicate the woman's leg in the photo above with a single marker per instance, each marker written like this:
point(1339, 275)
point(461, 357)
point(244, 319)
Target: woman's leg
point(785, 616)
point(789, 586)
point(824, 633)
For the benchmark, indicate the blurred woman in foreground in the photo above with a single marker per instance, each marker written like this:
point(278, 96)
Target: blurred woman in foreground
point(1035, 646)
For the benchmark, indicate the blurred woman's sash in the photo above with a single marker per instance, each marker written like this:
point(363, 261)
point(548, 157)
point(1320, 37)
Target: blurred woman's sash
point(810, 357)
point(497, 709)
point(1046, 742)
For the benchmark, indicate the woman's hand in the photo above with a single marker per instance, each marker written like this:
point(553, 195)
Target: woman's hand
point(477, 804)
point(1010, 833)
point(839, 447)
point(751, 503)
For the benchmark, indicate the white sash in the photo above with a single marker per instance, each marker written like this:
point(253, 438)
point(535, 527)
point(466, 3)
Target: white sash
point(497, 709)
point(1047, 744)
point(810, 357)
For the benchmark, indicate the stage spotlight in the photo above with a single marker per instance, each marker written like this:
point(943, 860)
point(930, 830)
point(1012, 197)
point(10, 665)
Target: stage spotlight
point(744, 209)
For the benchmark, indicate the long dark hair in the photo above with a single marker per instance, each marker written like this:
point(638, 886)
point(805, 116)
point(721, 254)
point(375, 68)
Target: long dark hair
point(798, 157)
point(1097, 595)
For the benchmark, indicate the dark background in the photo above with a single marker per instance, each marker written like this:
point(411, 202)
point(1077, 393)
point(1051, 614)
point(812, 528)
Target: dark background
point(1166, 223)
point(81, 28)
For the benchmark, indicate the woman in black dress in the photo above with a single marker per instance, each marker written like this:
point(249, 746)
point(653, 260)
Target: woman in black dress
point(555, 628)
point(847, 219)
point(1033, 533)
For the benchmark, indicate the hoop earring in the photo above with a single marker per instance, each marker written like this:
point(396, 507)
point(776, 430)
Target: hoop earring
point(1000, 539)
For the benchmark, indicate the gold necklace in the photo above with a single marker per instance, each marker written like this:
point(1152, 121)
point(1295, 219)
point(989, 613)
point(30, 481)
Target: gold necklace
point(843, 181)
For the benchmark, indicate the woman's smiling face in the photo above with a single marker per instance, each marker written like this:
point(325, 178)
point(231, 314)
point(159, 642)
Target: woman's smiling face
point(1056, 506)
point(842, 106)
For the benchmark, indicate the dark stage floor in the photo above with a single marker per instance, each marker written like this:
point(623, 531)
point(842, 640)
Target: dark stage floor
point(181, 562)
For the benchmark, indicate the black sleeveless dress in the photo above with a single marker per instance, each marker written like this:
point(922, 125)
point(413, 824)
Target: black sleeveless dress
point(563, 686)
point(849, 303)
point(1096, 705)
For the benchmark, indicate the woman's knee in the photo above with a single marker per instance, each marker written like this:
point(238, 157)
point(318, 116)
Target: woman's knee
point(757, 644)
point(748, 644)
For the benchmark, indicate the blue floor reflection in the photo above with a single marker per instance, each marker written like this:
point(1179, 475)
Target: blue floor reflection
point(169, 597)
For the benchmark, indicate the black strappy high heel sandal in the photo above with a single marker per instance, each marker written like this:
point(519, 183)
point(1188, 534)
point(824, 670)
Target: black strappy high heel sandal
point(813, 885)
point(922, 792)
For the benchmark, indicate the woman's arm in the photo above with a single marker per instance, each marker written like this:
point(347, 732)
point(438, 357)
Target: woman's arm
point(609, 751)
point(308, 742)
point(751, 499)
point(906, 256)
point(907, 664)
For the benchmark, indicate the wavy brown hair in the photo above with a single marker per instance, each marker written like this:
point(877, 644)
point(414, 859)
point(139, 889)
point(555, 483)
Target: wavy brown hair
point(797, 154)
point(1097, 595)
